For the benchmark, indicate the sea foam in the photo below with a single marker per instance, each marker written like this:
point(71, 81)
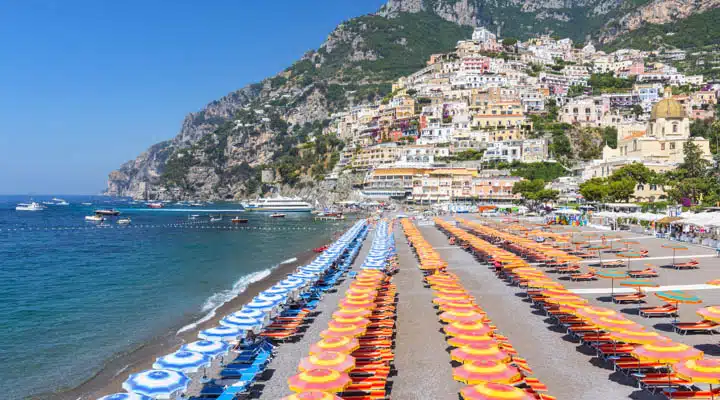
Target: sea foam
point(218, 299)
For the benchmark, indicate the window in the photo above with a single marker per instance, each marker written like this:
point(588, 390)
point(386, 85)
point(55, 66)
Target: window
point(672, 145)
point(662, 146)
point(675, 128)
point(653, 187)
point(641, 187)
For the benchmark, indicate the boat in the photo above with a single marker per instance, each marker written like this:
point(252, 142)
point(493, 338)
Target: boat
point(215, 219)
point(62, 203)
point(193, 216)
point(320, 249)
point(33, 206)
point(48, 203)
point(86, 204)
point(277, 215)
point(155, 205)
point(278, 203)
point(94, 218)
point(238, 220)
point(124, 221)
point(107, 211)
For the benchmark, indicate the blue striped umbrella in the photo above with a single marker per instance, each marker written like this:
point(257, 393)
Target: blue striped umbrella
point(157, 383)
point(125, 396)
point(242, 322)
point(272, 297)
point(308, 276)
point(277, 290)
point(262, 305)
point(291, 283)
point(183, 361)
point(251, 313)
point(210, 348)
point(224, 333)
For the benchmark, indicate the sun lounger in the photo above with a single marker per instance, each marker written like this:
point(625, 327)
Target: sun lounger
point(612, 264)
point(583, 277)
point(643, 273)
point(666, 310)
point(655, 381)
point(703, 326)
point(536, 385)
point(692, 264)
point(629, 298)
point(692, 394)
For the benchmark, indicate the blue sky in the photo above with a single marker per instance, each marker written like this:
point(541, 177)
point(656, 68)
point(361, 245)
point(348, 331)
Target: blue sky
point(86, 85)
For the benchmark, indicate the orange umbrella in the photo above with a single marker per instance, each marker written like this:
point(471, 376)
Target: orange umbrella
point(344, 344)
point(616, 323)
point(668, 352)
point(700, 371)
point(590, 312)
point(354, 304)
point(463, 328)
point(357, 320)
point(486, 371)
point(494, 391)
point(461, 316)
point(321, 380)
point(469, 339)
point(340, 329)
point(312, 396)
point(334, 360)
point(357, 312)
point(711, 313)
point(479, 352)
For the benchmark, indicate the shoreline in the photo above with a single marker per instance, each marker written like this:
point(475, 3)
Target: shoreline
point(109, 378)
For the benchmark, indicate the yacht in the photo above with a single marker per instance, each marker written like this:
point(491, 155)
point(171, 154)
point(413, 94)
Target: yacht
point(124, 221)
point(279, 203)
point(94, 218)
point(33, 206)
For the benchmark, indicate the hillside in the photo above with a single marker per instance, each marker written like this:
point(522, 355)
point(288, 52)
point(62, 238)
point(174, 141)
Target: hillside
point(282, 122)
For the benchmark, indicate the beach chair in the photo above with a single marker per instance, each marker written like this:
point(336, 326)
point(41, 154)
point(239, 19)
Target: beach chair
point(692, 394)
point(643, 273)
point(659, 381)
point(692, 264)
point(589, 276)
point(666, 310)
point(703, 326)
point(536, 385)
point(612, 264)
point(629, 298)
point(568, 269)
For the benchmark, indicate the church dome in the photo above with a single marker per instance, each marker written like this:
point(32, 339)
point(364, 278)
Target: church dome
point(668, 109)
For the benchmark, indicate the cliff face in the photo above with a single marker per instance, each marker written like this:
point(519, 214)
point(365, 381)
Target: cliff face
point(281, 123)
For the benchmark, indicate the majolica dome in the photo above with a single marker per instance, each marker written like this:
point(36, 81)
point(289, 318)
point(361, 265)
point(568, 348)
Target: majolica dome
point(668, 109)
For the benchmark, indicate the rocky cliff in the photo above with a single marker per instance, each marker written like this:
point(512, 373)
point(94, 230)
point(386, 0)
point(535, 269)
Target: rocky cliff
point(281, 123)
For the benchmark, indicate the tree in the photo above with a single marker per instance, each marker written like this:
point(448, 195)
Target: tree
point(636, 172)
point(621, 190)
point(507, 42)
point(595, 189)
point(610, 135)
point(534, 192)
point(637, 110)
point(694, 164)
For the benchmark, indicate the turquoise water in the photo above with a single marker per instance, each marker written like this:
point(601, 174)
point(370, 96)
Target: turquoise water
point(74, 293)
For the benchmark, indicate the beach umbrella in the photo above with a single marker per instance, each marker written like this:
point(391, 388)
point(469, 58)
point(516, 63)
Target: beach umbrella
point(346, 329)
point(565, 299)
point(125, 396)
point(616, 323)
point(469, 339)
point(322, 380)
point(611, 274)
point(462, 316)
point(630, 255)
point(461, 328)
point(352, 313)
point(458, 306)
point(355, 304)
point(275, 291)
point(240, 322)
point(312, 396)
point(700, 371)
point(630, 242)
point(208, 347)
point(711, 313)
point(636, 336)
point(251, 313)
point(714, 282)
point(343, 344)
point(666, 352)
point(486, 371)
point(494, 391)
point(264, 304)
point(674, 247)
point(447, 296)
point(638, 284)
point(334, 360)
point(184, 361)
point(291, 282)
point(599, 248)
point(157, 383)
point(591, 312)
point(359, 296)
point(224, 333)
point(678, 297)
point(480, 352)
point(307, 276)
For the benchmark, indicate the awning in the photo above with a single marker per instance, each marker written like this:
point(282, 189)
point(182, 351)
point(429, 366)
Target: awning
point(668, 220)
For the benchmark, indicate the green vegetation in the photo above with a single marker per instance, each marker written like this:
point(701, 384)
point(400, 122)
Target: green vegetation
point(534, 192)
point(608, 83)
point(545, 171)
point(466, 155)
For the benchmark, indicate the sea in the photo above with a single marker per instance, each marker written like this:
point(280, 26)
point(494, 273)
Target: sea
point(73, 294)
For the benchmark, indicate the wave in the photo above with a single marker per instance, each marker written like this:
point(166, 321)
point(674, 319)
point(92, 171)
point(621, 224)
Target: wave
point(218, 299)
point(289, 261)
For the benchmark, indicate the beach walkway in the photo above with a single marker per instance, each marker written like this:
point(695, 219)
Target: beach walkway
point(273, 384)
point(568, 373)
point(423, 365)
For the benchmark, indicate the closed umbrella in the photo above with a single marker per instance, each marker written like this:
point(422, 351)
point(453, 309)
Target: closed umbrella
point(157, 383)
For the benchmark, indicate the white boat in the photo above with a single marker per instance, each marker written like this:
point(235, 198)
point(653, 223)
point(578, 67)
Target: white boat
point(86, 204)
point(279, 203)
point(94, 218)
point(277, 215)
point(124, 221)
point(33, 206)
point(213, 219)
point(193, 216)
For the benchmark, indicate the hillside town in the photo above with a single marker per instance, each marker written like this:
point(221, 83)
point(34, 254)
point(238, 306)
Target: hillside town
point(450, 131)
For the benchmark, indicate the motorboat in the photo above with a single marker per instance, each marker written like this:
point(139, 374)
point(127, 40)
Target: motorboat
point(193, 216)
point(94, 218)
point(278, 204)
point(277, 215)
point(155, 205)
point(238, 220)
point(32, 206)
point(124, 221)
point(107, 211)
point(215, 219)
point(60, 202)
point(86, 204)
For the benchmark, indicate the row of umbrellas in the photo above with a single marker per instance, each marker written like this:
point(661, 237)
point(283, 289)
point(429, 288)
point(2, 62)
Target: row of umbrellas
point(486, 357)
point(170, 373)
point(327, 369)
point(686, 361)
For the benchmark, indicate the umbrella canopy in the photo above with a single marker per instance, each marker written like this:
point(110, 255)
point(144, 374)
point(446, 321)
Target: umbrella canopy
point(328, 360)
point(677, 296)
point(264, 302)
point(479, 352)
point(354, 304)
point(276, 291)
point(357, 312)
point(470, 339)
point(250, 313)
point(224, 333)
point(494, 391)
point(616, 323)
point(312, 396)
point(611, 274)
point(714, 282)
point(461, 328)
point(638, 283)
point(125, 396)
point(157, 383)
point(591, 312)
point(674, 246)
point(241, 322)
point(185, 361)
point(343, 344)
point(486, 371)
point(636, 337)
point(354, 320)
point(668, 352)
point(343, 329)
point(462, 316)
point(711, 313)
point(321, 380)
point(699, 371)
point(208, 347)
